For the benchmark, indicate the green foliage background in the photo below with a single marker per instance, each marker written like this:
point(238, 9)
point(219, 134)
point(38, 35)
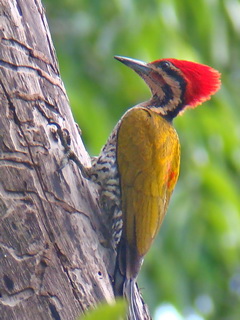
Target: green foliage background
point(194, 263)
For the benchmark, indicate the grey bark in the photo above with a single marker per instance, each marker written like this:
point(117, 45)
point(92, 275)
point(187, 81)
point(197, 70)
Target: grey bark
point(54, 253)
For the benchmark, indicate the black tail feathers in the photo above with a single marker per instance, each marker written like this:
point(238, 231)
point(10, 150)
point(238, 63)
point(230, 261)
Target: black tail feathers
point(137, 309)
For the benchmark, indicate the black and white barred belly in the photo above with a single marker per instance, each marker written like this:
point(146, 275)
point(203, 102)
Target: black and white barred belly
point(104, 172)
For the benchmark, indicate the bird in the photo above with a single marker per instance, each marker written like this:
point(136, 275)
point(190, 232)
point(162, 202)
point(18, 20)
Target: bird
point(138, 167)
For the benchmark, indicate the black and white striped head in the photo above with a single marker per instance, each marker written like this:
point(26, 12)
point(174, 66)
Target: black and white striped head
point(175, 84)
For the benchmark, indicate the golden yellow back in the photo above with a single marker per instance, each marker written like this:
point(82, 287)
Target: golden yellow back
point(148, 155)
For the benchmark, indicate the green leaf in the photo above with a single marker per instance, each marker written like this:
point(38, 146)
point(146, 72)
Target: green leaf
point(116, 311)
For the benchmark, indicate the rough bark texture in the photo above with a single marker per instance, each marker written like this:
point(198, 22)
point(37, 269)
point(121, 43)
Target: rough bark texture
point(54, 262)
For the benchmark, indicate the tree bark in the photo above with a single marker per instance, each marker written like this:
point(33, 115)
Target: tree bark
point(54, 253)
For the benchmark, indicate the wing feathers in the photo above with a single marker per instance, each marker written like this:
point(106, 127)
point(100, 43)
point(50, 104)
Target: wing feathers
point(148, 163)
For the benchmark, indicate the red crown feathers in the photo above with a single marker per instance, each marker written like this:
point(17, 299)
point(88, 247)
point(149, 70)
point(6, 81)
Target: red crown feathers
point(202, 81)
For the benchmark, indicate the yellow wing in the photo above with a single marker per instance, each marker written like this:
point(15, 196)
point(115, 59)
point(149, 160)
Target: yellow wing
point(148, 163)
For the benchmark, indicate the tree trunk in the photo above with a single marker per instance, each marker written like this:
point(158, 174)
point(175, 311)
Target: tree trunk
point(54, 255)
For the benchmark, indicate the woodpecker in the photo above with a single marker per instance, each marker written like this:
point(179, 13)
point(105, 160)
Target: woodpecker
point(138, 167)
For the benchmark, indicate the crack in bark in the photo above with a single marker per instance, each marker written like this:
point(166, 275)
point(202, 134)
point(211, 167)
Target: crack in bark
point(56, 300)
point(37, 98)
point(28, 69)
point(17, 161)
point(29, 51)
point(54, 312)
point(66, 206)
point(63, 261)
point(16, 256)
point(14, 299)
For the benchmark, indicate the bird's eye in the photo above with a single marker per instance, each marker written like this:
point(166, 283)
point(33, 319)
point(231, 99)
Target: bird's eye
point(165, 65)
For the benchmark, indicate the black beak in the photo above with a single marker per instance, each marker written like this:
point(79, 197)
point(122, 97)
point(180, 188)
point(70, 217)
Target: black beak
point(138, 66)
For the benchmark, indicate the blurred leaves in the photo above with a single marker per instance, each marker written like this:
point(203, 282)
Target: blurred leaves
point(116, 311)
point(197, 253)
